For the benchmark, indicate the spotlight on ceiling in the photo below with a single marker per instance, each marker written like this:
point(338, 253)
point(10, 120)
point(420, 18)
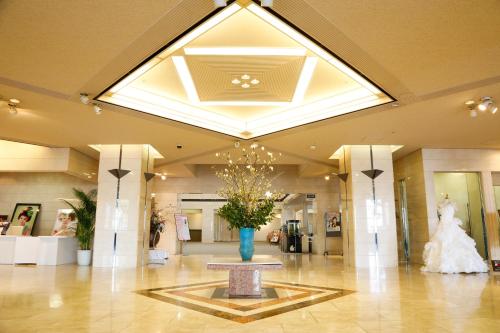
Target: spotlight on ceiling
point(97, 109)
point(266, 3)
point(12, 108)
point(163, 177)
point(484, 103)
point(237, 144)
point(471, 106)
point(14, 101)
point(327, 177)
point(84, 98)
point(220, 3)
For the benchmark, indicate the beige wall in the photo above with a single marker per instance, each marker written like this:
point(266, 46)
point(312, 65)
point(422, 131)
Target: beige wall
point(411, 169)
point(327, 197)
point(43, 188)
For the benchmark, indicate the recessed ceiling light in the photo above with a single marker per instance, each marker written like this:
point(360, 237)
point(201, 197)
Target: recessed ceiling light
point(186, 78)
point(245, 85)
point(327, 177)
point(470, 102)
point(312, 147)
point(494, 109)
point(245, 77)
point(255, 81)
point(304, 79)
point(14, 101)
point(246, 51)
point(236, 81)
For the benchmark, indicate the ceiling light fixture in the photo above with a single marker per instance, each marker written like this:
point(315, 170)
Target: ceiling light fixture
point(186, 78)
point(235, 81)
point(484, 103)
point(220, 3)
point(327, 177)
point(12, 108)
point(246, 51)
point(245, 77)
point(245, 85)
point(84, 98)
point(312, 147)
point(97, 109)
point(14, 101)
point(255, 81)
point(304, 79)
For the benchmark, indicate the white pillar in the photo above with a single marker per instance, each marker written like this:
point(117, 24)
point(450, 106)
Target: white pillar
point(371, 225)
point(125, 221)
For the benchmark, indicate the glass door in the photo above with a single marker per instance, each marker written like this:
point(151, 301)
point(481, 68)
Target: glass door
point(405, 226)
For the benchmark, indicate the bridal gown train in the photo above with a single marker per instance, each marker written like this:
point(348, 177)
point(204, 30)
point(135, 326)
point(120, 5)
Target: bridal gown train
point(450, 249)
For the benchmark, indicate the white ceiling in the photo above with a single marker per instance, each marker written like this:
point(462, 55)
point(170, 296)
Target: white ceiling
point(431, 58)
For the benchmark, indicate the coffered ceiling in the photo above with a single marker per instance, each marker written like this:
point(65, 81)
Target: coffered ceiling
point(266, 77)
point(430, 58)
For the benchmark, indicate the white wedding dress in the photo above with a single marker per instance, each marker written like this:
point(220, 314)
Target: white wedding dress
point(450, 249)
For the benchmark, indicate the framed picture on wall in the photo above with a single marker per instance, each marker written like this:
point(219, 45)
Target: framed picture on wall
point(333, 221)
point(66, 223)
point(23, 219)
point(4, 224)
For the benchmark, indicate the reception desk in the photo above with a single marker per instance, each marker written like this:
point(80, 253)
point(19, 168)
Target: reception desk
point(42, 250)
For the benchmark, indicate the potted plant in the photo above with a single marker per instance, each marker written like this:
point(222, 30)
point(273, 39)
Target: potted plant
point(247, 188)
point(85, 211)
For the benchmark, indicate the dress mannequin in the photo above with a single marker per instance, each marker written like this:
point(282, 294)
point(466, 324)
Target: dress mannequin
point(450, 249)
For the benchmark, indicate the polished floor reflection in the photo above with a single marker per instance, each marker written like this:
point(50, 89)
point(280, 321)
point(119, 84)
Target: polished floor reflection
point(80, 299)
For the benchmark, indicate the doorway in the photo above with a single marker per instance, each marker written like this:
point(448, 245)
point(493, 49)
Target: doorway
point(464, 188)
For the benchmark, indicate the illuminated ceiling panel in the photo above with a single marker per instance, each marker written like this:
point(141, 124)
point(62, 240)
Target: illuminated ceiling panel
point(244, 72)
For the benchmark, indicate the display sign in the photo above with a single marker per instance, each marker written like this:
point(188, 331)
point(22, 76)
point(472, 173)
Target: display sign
point(333, 221)
point(182, 226)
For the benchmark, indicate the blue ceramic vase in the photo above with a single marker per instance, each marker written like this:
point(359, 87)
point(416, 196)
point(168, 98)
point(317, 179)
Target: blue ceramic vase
point(246, 243)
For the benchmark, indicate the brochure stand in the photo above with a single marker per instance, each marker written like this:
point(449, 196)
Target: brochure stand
point(182, 227)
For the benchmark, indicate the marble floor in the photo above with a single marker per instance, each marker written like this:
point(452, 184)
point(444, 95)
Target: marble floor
point(82, 299)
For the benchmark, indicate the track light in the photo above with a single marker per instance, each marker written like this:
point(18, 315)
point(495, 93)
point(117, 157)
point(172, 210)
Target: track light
point(266, 3)
point(484, 103)
point(84, 98)
point(220, 3)
point(97, 109)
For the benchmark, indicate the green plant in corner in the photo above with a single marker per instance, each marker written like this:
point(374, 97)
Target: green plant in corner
point(85, 211)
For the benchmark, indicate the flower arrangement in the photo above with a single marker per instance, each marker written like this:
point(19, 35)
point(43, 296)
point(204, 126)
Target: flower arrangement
point(247, 187)
point(157, 226)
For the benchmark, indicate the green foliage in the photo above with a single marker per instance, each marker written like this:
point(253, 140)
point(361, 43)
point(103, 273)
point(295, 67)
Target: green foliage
point(85, 211)
point(240, 216)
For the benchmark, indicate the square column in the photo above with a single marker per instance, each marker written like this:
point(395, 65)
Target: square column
point(119, 229)
point(369, 233)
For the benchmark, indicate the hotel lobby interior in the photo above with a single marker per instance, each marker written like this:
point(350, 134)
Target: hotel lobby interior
point(267, 166)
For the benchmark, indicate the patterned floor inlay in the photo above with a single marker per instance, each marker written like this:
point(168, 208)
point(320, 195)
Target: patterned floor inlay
point(209, 298)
